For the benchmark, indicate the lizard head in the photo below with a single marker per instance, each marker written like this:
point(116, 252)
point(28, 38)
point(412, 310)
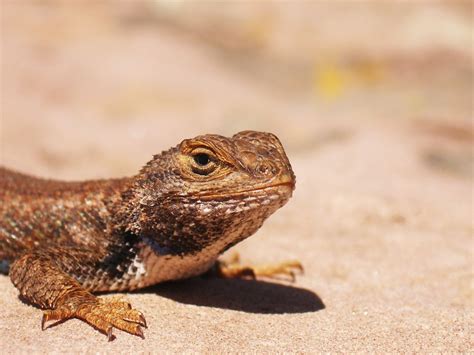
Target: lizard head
point(210, 191)
point(250, 164)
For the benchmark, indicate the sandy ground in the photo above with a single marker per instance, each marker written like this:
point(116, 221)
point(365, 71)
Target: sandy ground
point(377, 127)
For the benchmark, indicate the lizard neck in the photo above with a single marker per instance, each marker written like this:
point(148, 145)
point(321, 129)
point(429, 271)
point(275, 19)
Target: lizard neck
point(186, 225)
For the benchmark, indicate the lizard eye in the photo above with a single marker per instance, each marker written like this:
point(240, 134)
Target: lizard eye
point(203, 161)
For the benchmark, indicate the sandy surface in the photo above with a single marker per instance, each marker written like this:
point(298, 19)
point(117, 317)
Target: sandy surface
point(378, 131)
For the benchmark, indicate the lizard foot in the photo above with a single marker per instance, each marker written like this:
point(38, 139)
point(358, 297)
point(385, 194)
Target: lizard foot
point(102, 314)
point(233, 269)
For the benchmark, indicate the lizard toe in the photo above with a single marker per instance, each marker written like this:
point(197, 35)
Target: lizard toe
point(58, 315)
point(106, 314)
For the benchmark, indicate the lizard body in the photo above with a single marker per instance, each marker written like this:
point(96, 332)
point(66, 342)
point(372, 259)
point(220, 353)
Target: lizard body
point(65, 240)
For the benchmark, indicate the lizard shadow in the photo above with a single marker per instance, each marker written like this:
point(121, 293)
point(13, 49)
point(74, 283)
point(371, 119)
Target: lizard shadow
point(253, 296)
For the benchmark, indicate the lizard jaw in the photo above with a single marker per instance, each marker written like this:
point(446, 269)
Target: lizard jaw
point(284, 184)
point(284, 188)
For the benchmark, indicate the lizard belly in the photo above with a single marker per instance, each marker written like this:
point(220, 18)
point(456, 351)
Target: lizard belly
point(154, 268)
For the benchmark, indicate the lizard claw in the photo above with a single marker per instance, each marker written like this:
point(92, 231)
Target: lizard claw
point(110, 335)
point(140, 333)
point(142, 321)
point(57, 314)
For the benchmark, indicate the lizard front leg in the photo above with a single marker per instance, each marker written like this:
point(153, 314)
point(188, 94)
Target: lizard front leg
point(41, 281)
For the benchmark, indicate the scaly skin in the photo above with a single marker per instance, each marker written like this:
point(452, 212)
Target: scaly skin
point(66, 240)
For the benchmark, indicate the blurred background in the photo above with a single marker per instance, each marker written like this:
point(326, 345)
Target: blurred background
point(372, 101)
point(94, 88)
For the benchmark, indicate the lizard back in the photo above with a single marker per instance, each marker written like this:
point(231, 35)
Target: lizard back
point(36, 212)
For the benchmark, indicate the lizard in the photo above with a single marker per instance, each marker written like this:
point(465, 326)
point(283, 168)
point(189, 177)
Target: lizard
point(64, 241)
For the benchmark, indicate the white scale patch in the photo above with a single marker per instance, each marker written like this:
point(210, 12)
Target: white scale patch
point(136, 268)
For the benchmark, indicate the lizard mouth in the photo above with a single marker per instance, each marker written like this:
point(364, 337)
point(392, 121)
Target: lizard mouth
point(281, 188)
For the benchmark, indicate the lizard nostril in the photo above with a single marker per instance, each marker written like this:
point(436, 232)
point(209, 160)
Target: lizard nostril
point(265, 169)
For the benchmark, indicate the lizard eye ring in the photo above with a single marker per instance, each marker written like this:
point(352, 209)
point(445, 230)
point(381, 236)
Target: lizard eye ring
point(203, 161)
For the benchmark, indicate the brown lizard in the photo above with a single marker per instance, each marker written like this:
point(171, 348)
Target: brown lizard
point(63, 241)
